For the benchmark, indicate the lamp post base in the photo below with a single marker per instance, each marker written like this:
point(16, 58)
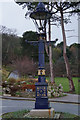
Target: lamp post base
point(46, 113)
point(41, 96)
point(42, 103)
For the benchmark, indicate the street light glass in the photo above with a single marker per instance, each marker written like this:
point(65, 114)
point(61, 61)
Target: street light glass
point(40, 13)
point(40, 16)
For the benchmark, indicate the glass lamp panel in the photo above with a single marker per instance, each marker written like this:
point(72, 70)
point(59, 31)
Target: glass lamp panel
point(40, 15)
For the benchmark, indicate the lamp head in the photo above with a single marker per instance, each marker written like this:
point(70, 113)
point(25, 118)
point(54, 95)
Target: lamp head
point(40, 13)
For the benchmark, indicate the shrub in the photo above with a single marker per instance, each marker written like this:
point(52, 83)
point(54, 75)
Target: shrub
point(25, 66)
point(55, 91)
point(4, 84)
point(11, 81)
point(5, 74)
point(14, 89)
point(28, 87)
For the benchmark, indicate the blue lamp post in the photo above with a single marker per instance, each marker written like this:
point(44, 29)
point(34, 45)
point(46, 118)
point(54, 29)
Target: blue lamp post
point(41, 14)
point(42, 109)
point(41, 86)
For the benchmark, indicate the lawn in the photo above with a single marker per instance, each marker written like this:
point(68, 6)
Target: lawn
point(0, 90)
point(20, 114)
point(65, 83)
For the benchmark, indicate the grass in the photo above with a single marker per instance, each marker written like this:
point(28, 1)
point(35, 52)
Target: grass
point(0, 90)
point(20, 114)
point(68, 115)
point(65, 83)
point(8, 68)
point(77, 85)
point(0, 93)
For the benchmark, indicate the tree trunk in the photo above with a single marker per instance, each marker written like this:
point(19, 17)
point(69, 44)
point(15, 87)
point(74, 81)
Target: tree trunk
point(46, 47)
point(72, 88)
point(50, 56)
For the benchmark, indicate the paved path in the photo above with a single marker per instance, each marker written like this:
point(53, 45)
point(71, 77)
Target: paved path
point(70, 98)
point(15, 105)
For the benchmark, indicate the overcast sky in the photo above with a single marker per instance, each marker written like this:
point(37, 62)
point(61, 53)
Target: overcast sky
point(13, 16)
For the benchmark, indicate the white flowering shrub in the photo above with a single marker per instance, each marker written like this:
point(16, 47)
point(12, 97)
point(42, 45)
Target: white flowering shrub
point(55, 91)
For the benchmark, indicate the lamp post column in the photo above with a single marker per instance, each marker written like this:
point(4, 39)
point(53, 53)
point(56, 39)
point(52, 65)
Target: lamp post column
point(41, 85)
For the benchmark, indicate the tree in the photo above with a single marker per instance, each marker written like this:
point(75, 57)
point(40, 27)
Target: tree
point(50, 50)
point(75, 61)
point(25, 66)
point(31, 50)
point(57, 53)
point(66, 7)
point(8, 31)
point(11, 47)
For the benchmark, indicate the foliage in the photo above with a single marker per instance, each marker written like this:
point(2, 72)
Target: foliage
point(30, 50)
point(74, 58)
point(10, 86)
point(5, 74)
point(55, 91)
point(65, 83)
point(18, 114)
point(11, 48)
point(4, 84)
point(8, 31)
point(56, 54)
point(14, 88)
point(11, 56)
point(68, 9)
point(25, 66)
point(59, 67)
point(69, 116)
point(32, 87)
point(77, 85)
point(18, 94)
point(11, 81)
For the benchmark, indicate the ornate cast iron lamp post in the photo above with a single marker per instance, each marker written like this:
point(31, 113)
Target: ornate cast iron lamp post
point(41, 14)
point(40, 17)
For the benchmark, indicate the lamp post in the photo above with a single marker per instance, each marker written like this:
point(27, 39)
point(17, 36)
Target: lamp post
point(42, 108)
point(41, 14)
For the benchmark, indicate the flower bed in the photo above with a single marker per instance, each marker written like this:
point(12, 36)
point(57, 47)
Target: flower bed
point(24, 87)
point(55, 91)
point(16, 87)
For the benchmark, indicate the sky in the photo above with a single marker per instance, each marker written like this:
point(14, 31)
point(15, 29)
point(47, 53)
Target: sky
point(13, 16)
